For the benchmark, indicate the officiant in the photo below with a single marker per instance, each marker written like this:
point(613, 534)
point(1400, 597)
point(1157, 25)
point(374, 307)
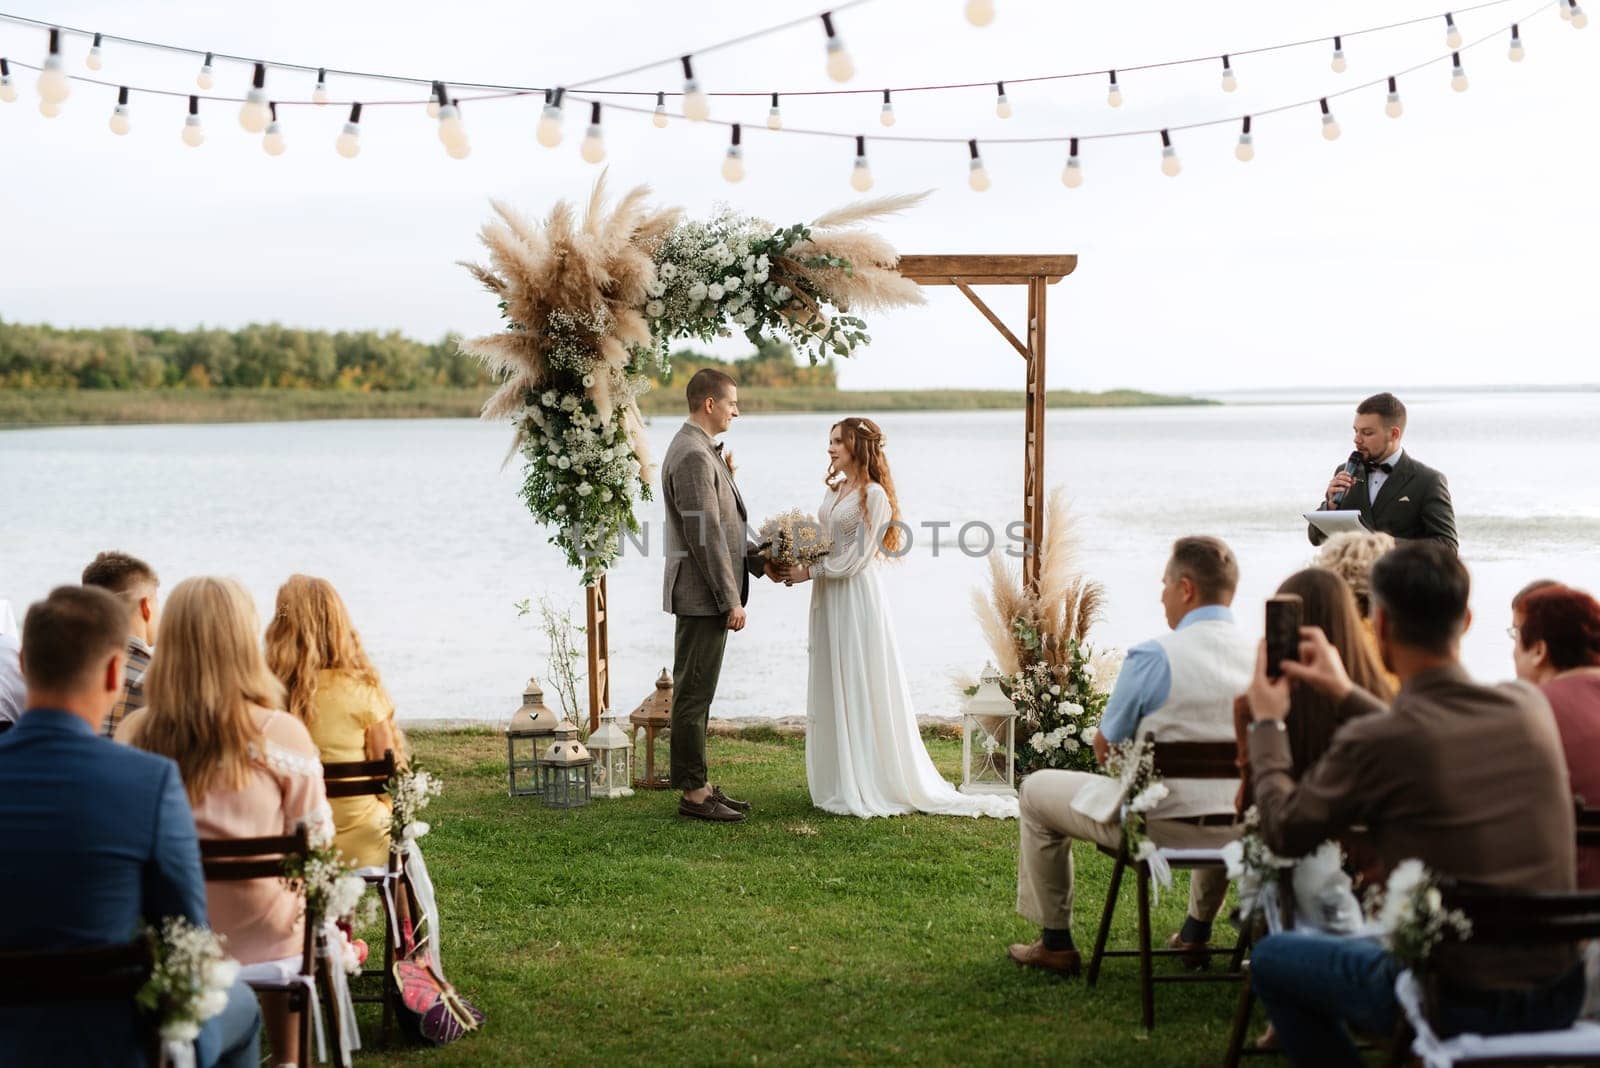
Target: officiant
point(1394, 493)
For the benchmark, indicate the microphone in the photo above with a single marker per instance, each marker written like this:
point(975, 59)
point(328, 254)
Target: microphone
point(1351, 466)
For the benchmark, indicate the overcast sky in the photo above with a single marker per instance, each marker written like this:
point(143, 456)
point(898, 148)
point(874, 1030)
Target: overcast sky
point(1454, 245)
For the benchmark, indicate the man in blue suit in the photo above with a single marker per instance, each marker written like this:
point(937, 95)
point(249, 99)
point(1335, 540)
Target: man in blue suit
point(98, 840)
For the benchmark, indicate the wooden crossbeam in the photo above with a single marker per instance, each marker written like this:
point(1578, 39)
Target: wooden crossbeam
point(1005, 332)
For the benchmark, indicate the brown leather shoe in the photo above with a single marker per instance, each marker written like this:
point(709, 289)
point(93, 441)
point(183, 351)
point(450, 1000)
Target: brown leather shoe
point(710, 809)
point(737, 806)
point(1063, 962)
point(1195, 956)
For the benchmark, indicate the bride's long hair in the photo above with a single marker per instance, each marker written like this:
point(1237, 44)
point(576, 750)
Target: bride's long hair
point(864, 440)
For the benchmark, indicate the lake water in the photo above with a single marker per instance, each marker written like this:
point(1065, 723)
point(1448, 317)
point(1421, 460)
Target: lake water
point(422, 532)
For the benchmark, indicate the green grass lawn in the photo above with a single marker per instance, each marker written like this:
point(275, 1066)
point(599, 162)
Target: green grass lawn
point(619, 932)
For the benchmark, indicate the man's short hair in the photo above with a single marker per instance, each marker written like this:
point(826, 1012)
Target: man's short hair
point(1385, 406)
point(119, 573)
point(69, 634)
point(1209, 564)
point(1423, 587)
point(708, 382)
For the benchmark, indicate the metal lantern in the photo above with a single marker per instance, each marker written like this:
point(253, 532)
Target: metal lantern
point(989, 739)
point(611, 751)
point(652, 737)
point(531, 729)
point(564, 769)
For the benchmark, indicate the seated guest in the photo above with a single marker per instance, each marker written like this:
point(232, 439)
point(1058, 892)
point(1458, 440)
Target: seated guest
point(136, 584)
point(98, 841)
point(335, 691)
point(1468, 779)
point(250, 771)
point(1327, 604)
point(1178, 687)
point(1351, 555)
point(1557, 632)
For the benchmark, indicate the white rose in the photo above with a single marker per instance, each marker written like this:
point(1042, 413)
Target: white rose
point(549, 398)
point(609, 455)
point(668, 271)
point(605, 494)
point(569, 403)
point(563, 463)
point(731, 282)
point(561, 509)
point(1056, 690)
point(760, 276)
point(1088, 734)
point(588, 381)
point(762, 263)
point(697, 291)
point(1037, 741)
point(750, 263)
point(656, 289)
point(1072, 745)
point(714, 291)
point(584, 489)
point(551, 460)
point(655, 309)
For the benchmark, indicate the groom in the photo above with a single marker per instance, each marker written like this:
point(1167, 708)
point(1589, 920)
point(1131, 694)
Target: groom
point(707, 582)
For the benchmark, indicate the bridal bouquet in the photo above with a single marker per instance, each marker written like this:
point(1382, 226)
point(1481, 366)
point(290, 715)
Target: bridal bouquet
point(190, 981)
point(794, 538)
point(1410, 910)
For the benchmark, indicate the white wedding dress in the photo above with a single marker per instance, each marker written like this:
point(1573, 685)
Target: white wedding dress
point(864, 754)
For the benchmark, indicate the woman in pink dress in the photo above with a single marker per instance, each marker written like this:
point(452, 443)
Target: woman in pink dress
point(250, 770)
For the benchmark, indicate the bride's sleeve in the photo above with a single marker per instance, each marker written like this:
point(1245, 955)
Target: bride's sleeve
point(855, 553)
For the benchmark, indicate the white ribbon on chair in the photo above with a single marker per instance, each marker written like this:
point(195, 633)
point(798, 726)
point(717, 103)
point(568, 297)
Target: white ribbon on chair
point(339, 980)
point(422, 885)
point(179, 1051)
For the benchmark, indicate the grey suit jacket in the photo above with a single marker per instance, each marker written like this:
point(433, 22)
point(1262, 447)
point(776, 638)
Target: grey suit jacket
point(709, 558)
point(1413, 504)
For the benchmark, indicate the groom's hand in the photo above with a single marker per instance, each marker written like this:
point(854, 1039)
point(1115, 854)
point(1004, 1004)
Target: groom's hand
point(736, 618)
point(773, 572)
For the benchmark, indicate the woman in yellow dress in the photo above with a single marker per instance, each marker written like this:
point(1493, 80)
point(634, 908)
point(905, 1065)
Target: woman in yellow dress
point(335, 691)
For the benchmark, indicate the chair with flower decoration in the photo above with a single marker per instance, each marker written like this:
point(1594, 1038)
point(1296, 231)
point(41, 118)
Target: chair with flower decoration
point(94, 973)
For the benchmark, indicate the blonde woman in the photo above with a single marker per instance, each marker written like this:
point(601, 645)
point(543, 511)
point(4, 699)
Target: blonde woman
point(864, 751)
point(335, 691)
point(1350, 556)
point(249, 769)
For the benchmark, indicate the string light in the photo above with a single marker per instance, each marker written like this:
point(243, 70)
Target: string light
point(886, 113)
point(1002, 106)
point(1072, 173)
point(841, 68)
point(273, 143)
point(980, 12)
point(319, 94)
point(1458, 76)
point(1578, 18)
point(1393, 108)
point(194, 135)
point(593, 149)
point(348, 143)
point(1330, 128)
point(659, 118)
point(1114, 93)
point(1566, 12)
point(861, 174)
point(549, 132)
point(253, 113)
point(205, 79)
point(452, 133)
point(1245, 150)
point(1169, 157)
point(436, 95)
point(120, 123)
point(774, 116)
point(1452, 36)
point(977, 177)
point(8, 90)
point(1229, 82)
point(1515, 53)
point(459, 147)
point(696, 105)
point(53, 85)
point(733, 162)
point(1339, 65)
point(93, 60)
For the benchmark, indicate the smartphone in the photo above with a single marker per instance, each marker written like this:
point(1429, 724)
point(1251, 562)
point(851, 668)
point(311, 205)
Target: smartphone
point(1283, 631)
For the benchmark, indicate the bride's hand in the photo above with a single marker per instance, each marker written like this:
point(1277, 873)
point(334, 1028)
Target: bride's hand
point(796, 574)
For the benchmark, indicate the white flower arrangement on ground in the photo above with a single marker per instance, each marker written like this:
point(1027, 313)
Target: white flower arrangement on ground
point(409, 793)
point(190, 980)
point(1252, 865)
point(1132, 764)
point(794, 539)
point(1410, 911)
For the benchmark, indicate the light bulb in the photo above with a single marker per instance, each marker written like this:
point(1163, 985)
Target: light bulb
point(593, 149)
point(774, 116)
point(1579, 19)
point(348, 143)
point(1452, 36)
point(977, 177)
point(1170, 166)
point(254, 113)
point(659, 119)
point(1330, 128)
point(1338, 64)
point(1002, 106)
point(1515, 53)
point(205, 79)
point(1458, 75)
point(733, 162)
point(458, 149)
point(194, 135)
point(319, 95)
point(549, 132)
point(1393, 108)
point(1072, 173)
point(696, 105)
point(8, 89)
point(860, 173)
point(120, 123)
point(49, 108)
point(886, 113)
point(273, 143)
point(841, 68)
point(1229, 82)
point(93, 60)
point(1114, 93)
point(1245, 150)
point(452, 132)
point(980, 12)
point(1566, 12)
point(53, 85)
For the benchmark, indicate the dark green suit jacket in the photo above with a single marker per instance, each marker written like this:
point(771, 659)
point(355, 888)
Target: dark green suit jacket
point(1413, 504)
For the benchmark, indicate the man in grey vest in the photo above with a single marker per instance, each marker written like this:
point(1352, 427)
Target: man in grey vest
point(1179, 687)
point(706, 584)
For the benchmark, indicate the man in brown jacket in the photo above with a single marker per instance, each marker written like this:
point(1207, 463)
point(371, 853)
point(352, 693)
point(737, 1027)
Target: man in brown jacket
point(706, 584)
point(1468, 779)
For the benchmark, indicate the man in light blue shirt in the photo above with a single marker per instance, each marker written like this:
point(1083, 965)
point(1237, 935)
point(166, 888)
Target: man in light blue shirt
point(1145, 681)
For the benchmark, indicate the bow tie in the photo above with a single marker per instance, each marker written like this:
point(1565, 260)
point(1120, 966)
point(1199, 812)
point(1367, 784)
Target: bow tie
point(717, 445)
point(1374, 466)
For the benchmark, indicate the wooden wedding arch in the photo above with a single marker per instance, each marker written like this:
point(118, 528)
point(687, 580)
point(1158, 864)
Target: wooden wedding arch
point(964, 271)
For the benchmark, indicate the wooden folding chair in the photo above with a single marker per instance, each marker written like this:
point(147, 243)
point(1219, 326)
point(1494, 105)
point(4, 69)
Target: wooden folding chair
point(1587, 823)
point(370, 778)
point(97, 973)
point(227, 860)
point(1173, 760)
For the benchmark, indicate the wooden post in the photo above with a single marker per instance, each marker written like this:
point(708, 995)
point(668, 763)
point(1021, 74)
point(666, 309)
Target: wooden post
point(597, 631)
point(1033, 483)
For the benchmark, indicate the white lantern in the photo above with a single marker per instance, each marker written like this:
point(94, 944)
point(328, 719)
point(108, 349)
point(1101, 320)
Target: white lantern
point(611, 750)
point(989, 739)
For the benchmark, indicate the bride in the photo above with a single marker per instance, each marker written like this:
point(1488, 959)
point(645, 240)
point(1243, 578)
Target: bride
point(864, 753)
